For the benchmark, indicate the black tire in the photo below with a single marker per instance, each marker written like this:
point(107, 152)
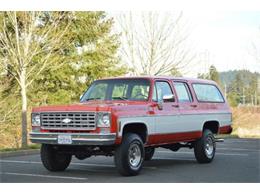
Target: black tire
point(52, 160)
point(149, 152)
point(123, 161)
point(202, 151)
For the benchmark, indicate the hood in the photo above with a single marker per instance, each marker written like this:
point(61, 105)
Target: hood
point(88, 106)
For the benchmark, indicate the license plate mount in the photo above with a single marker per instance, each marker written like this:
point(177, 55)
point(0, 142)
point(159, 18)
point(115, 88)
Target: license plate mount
point(64, 139)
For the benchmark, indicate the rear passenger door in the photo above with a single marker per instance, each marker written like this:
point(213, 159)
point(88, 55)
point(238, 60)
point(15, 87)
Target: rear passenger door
point(188, 121)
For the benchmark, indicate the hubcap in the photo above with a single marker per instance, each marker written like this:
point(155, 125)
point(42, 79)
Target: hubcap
point(209, 147)
point(134, 155)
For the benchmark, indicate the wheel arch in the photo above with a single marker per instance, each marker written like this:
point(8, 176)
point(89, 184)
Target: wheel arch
point(139, 128)
point(212, 125)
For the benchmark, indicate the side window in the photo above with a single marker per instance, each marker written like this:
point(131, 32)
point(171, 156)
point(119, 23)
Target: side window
point(183, 92)
point(162, 88)
point(207, 93)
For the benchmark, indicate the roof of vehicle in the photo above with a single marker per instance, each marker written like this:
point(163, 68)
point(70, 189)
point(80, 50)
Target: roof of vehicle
point(193, 80)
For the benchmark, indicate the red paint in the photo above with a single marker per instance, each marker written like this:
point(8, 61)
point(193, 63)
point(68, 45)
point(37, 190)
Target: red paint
point(118, 140)
point(225, 129)
point(173, 137)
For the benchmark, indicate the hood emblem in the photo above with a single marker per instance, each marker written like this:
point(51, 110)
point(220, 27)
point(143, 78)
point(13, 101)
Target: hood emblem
point(66, 120)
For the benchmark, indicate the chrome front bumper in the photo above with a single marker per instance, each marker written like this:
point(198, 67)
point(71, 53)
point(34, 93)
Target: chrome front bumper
point(77, 138)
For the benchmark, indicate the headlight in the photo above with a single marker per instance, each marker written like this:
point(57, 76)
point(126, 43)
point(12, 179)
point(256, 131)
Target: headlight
point(36, 119)
point(103, 119)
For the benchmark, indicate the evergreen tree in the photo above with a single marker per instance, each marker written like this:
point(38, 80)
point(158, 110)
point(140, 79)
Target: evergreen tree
point(213, 74)
point(93, 55)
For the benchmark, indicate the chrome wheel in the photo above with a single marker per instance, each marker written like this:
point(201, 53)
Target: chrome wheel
point(129, 156)
point(205, 147)
point(134, 155)
point(209, 147)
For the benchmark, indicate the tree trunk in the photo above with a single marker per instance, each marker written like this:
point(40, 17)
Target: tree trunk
point(24, 108)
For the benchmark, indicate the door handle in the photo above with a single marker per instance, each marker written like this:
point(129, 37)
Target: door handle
point(175, 105)
point(193, 105)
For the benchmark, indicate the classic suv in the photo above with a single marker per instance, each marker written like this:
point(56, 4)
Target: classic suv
point(130, 117)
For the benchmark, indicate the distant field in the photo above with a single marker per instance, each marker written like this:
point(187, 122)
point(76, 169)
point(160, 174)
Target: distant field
point(246, 122)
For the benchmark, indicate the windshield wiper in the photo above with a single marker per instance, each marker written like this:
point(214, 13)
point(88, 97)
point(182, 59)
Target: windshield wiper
point(120, 98)
point(92, 99)
point(114, 98)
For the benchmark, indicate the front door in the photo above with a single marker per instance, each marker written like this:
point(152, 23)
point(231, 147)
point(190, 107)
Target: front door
point(166, 113)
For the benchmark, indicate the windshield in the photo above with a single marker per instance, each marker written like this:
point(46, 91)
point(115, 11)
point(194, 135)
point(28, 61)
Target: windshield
point(118, 89)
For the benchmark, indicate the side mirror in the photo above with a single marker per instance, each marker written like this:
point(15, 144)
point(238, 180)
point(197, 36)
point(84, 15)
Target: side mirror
point(169, 98)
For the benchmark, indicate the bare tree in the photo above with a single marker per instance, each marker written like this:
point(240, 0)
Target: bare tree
point(154, 43)
point(29, 42)
point(255, 52)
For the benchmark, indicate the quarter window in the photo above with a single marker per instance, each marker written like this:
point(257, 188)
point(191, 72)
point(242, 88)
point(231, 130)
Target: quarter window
point(183, 92)
point(207, 93)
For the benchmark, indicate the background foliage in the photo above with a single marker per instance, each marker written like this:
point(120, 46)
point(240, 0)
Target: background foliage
point(88, 51)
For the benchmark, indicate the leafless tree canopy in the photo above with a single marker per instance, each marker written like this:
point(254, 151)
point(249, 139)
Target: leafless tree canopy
point(26, 49)
point(154, 43)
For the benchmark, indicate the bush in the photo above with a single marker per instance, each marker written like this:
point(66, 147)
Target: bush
point(246, 121)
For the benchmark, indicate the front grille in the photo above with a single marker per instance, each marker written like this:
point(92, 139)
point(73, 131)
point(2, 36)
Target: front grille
point(69, 120)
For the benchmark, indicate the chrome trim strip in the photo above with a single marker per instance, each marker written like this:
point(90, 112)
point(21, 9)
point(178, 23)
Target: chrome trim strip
point(179, 114)
point(43, 138)
point(83, 134)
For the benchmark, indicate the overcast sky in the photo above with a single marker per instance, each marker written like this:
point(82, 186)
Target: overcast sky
point(227, 37)
point(224, 39)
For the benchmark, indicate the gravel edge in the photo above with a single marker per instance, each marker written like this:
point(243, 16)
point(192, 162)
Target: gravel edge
point(19, 153)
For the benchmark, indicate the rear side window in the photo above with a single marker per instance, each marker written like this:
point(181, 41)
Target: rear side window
point(207, 93)
point(182, 92)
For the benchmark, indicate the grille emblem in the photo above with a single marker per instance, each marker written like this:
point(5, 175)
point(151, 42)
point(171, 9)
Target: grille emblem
point(66, 120)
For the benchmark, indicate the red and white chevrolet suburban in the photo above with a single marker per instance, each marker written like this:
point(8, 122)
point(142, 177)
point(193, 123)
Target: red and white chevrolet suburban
point(130, 117)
